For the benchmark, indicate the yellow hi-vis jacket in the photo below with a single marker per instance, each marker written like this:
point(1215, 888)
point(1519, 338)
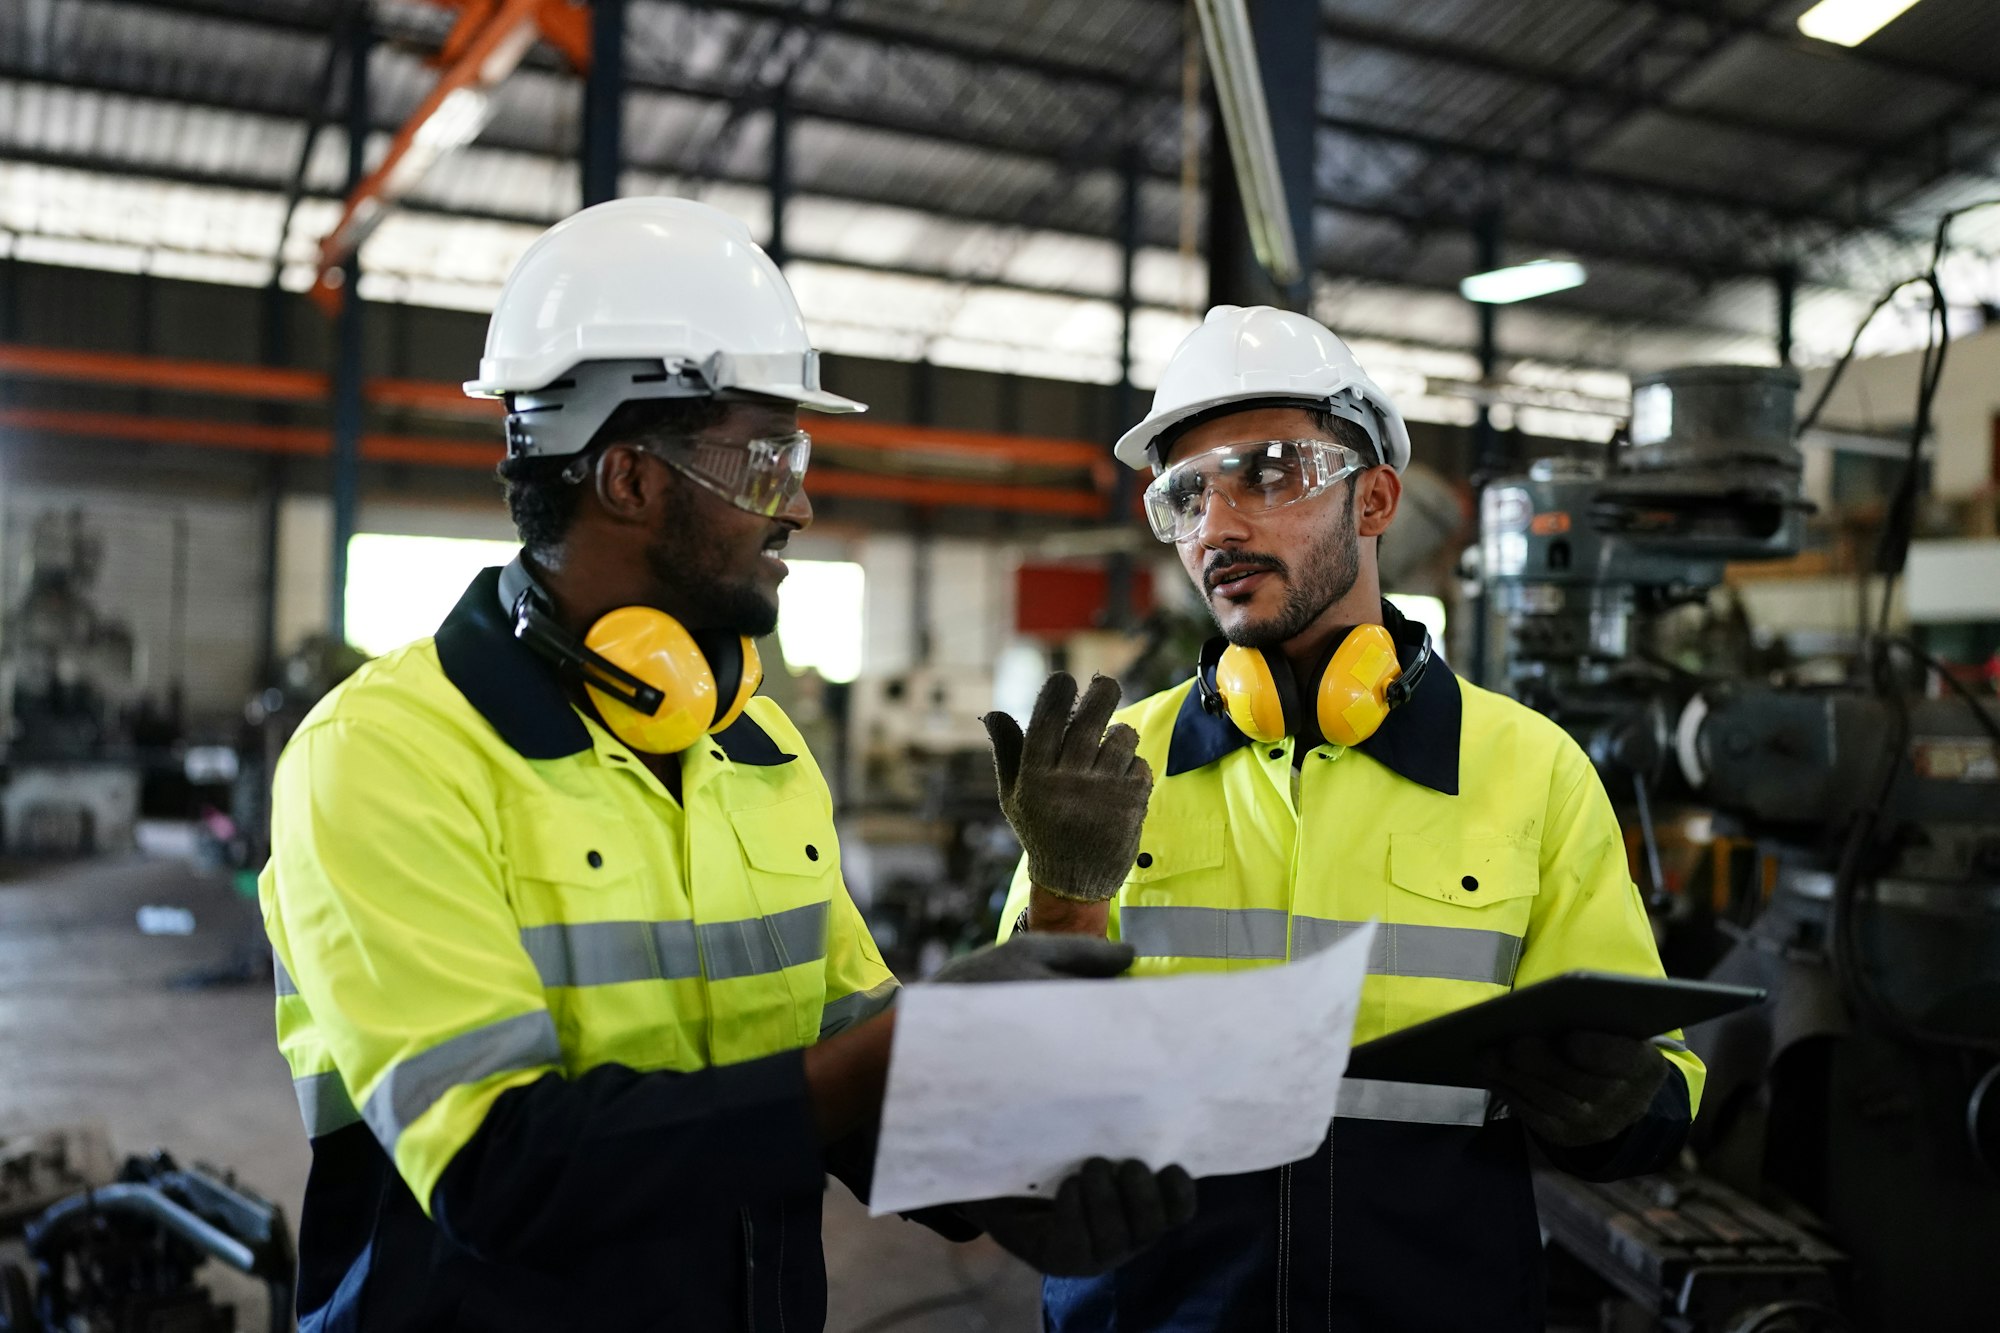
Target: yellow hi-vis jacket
point(476, 891)
point(1480, 836)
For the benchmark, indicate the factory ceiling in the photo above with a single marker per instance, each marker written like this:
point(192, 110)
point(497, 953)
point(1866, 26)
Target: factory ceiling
point(958, 167)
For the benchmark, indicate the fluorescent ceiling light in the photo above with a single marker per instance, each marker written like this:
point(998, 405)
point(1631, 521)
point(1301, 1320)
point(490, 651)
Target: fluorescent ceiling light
point(1521, 281)
point(1849, 22)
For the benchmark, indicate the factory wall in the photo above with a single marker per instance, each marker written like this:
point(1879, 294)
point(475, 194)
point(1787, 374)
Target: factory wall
point(1880, 394)
point(201, 521)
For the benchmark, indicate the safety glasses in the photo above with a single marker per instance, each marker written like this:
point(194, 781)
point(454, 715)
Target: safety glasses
point(762, 476)
point(1249, 478)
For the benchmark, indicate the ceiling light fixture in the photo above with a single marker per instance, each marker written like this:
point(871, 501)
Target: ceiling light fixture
point(1849, 22)
point(1519, 282)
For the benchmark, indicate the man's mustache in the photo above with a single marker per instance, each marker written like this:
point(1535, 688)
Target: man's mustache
point(1236, 564)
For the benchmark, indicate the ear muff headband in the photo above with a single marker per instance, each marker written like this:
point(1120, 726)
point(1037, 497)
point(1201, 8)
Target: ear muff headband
point(656, 686)
point(1352, 690)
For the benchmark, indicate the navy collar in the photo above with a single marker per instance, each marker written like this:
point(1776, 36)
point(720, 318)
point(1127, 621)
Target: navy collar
point(1419, 740)
point(524, 699)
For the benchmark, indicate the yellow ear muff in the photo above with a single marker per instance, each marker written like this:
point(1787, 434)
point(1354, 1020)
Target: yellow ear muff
point(653, 646)
point(1353, 690)
point(1251, 694)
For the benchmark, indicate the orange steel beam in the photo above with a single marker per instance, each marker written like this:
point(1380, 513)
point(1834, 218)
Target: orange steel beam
point(303, 441)
point(312, 442)
point(862, 433)
point(155, 372)
point(495, 38)
point(305, 386)
point(956, 494)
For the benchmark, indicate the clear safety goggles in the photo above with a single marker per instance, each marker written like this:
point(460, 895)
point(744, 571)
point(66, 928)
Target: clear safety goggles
point(1249, 478)
point(762, 475)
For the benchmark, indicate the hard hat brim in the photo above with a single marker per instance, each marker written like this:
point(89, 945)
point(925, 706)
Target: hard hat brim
point(814, 400)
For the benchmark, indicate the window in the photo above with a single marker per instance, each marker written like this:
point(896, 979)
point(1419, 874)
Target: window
point(401, 588)
point(819, 618)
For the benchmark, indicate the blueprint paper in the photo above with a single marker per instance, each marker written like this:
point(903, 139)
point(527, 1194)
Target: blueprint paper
point(1006, 1088)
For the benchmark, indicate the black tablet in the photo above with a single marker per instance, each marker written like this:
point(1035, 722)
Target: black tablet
point(1446, 1050)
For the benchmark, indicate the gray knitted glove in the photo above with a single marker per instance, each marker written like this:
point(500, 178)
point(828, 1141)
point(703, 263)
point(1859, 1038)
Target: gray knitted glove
point(1074, 792)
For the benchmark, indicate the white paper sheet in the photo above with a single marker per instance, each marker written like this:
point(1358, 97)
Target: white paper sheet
point(1005, 1089)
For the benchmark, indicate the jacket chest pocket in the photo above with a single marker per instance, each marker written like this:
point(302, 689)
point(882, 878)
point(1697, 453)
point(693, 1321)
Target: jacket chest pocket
point(1177, 904)
point(614, 955)
point(768, 966)
point(570, 863)
point(1460, 906)
point(790, 853)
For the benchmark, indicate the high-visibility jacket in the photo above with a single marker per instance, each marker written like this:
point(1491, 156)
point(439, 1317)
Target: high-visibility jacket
point(1479, 835)
point(544, 1016)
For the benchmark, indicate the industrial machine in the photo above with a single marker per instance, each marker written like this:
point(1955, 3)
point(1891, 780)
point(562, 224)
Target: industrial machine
point(125, 1255)
point(1864, 885)
point(70, 679)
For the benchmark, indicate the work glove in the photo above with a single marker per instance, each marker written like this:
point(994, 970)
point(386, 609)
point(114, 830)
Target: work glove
point(1578, 1088)
point(1101, 1216)
point(1039, 958)
point(1074, 792)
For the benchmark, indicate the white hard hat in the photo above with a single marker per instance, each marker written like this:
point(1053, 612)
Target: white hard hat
point(1260, 355)
point(641, 298)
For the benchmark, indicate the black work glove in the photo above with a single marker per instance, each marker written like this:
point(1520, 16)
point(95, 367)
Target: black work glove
point(1074, 792)
point(1101, 1216)
point(1039, 958)
point(1579, 1088)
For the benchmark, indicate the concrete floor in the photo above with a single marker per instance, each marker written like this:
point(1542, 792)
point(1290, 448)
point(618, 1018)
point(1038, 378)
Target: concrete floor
point(93, 1030)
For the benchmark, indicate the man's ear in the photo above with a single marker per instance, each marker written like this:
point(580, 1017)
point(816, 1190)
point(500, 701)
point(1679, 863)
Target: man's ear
point(626, 488)
point(1377, 492)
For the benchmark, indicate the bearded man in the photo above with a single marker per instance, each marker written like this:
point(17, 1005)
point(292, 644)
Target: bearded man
point(1324, 769)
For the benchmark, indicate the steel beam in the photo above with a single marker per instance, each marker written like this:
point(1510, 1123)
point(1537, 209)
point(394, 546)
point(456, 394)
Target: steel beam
point(1786, 282)
point(1286, 37)
point(781, 179)
point(604, 103)
point(348, 348)
point(448, 117)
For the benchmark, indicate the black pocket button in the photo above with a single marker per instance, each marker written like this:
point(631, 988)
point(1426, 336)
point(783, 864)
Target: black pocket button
point(596, 859)
point(812, 852)
point(1471, 884)
point(1145, 859)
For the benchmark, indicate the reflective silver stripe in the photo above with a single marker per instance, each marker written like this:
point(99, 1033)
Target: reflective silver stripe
point(1412, 1103)
point(1670, 1044)
point(286, 986)
point(763, 943)
point(1204, 932)
point(1448, 953)
point(605, 953)
point(413, 1086)
point(324, 1104)
point(843, 1013)
point(608, 953)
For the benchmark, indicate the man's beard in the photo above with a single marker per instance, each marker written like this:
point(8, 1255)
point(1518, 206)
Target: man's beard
point(685, 556)
point(1324, 573)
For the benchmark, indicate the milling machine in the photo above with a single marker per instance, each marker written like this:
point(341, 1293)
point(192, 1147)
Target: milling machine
point(1866, 1095)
